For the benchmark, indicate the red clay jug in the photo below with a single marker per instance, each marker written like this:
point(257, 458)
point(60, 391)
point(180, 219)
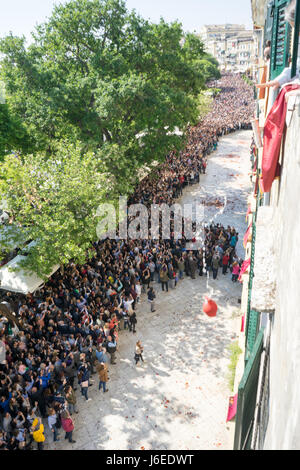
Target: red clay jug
point(210, 307)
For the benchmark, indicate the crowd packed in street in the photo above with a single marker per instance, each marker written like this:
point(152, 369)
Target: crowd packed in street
point(70, 328)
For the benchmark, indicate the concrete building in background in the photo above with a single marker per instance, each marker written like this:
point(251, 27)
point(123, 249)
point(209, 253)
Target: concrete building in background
point(231, 44)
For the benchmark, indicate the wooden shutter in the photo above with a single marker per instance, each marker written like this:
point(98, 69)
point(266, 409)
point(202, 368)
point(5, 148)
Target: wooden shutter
point(281, 40)
point(269, 22)
point(296, 38)
point(247, 393)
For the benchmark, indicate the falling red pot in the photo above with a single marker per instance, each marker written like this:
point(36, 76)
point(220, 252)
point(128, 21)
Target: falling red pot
point(210, 307)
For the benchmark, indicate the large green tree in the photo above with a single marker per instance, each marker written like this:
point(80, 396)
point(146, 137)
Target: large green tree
point(111, 88)
point(100, 74)
point(53, 202)
point(13, 133)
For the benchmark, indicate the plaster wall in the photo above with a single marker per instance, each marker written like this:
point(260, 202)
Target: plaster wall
point(283, 431)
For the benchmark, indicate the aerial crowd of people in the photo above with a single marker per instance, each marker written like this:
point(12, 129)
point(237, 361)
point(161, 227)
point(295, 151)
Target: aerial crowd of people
point(69, 330)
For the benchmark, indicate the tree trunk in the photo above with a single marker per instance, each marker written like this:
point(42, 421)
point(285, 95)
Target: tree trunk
point(6, 311)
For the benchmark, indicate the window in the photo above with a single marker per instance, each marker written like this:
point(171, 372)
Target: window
point(281, 39)
point(296, 39)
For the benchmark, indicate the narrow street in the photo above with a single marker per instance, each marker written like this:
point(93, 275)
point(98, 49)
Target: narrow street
point(179, 398)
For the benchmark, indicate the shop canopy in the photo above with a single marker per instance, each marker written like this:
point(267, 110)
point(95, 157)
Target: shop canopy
point(20, 281)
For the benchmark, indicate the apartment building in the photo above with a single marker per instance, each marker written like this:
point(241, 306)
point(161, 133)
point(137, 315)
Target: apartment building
point(232, 45)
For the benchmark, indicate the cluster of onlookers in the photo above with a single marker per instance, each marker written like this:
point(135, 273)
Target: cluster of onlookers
point(232, 110)
point(69, 329)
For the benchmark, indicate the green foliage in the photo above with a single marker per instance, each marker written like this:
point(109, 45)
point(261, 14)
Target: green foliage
point(97, 80)
point(98, 73)
point(13, 134)
point(53, 201)
point(205, 104)
point(248, 80)
point(235, 352)
point(215, 91)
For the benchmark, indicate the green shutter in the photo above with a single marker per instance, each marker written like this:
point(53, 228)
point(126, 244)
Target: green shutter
point(281, 40)
point(247, 397)
point(269, 22)
point(249, 316)
point(252, 331)
point(296, 38)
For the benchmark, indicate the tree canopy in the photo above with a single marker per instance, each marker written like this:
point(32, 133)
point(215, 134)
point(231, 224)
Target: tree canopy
point(53, 203)
point(97, 80)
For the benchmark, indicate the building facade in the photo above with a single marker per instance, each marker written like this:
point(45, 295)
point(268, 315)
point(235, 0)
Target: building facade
point(267, 377)
point(232, 45)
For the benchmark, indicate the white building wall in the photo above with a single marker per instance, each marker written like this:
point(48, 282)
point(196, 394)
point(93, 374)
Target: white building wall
point(283, 431)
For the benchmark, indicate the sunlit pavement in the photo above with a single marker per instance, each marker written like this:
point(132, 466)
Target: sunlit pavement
point(179, 398)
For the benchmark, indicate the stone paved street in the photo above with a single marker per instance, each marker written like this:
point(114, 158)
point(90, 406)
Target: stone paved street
point(179, 398)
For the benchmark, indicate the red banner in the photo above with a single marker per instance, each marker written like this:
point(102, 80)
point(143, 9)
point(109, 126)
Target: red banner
point(243, 324)
point(244, 268)
point(273, 131)
point(232, 408)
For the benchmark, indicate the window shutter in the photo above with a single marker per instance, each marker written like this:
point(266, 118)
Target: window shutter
point(269, 22)
point(281, 40)
point(296, 38)
point(247, 393)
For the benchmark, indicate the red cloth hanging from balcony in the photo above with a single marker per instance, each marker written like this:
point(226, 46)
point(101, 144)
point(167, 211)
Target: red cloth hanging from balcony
point(232, 407)
point(244, 268)
point(243, 324)
point(273, 131)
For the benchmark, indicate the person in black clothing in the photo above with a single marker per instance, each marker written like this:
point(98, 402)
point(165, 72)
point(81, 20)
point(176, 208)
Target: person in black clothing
point(132, 322)
point(151, 297)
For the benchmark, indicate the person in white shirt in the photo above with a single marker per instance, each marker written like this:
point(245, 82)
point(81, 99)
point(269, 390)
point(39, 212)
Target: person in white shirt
point(127, 302)
point(138, 290)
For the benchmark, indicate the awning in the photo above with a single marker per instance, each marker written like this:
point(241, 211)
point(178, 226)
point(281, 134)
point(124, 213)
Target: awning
point(20, 281)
